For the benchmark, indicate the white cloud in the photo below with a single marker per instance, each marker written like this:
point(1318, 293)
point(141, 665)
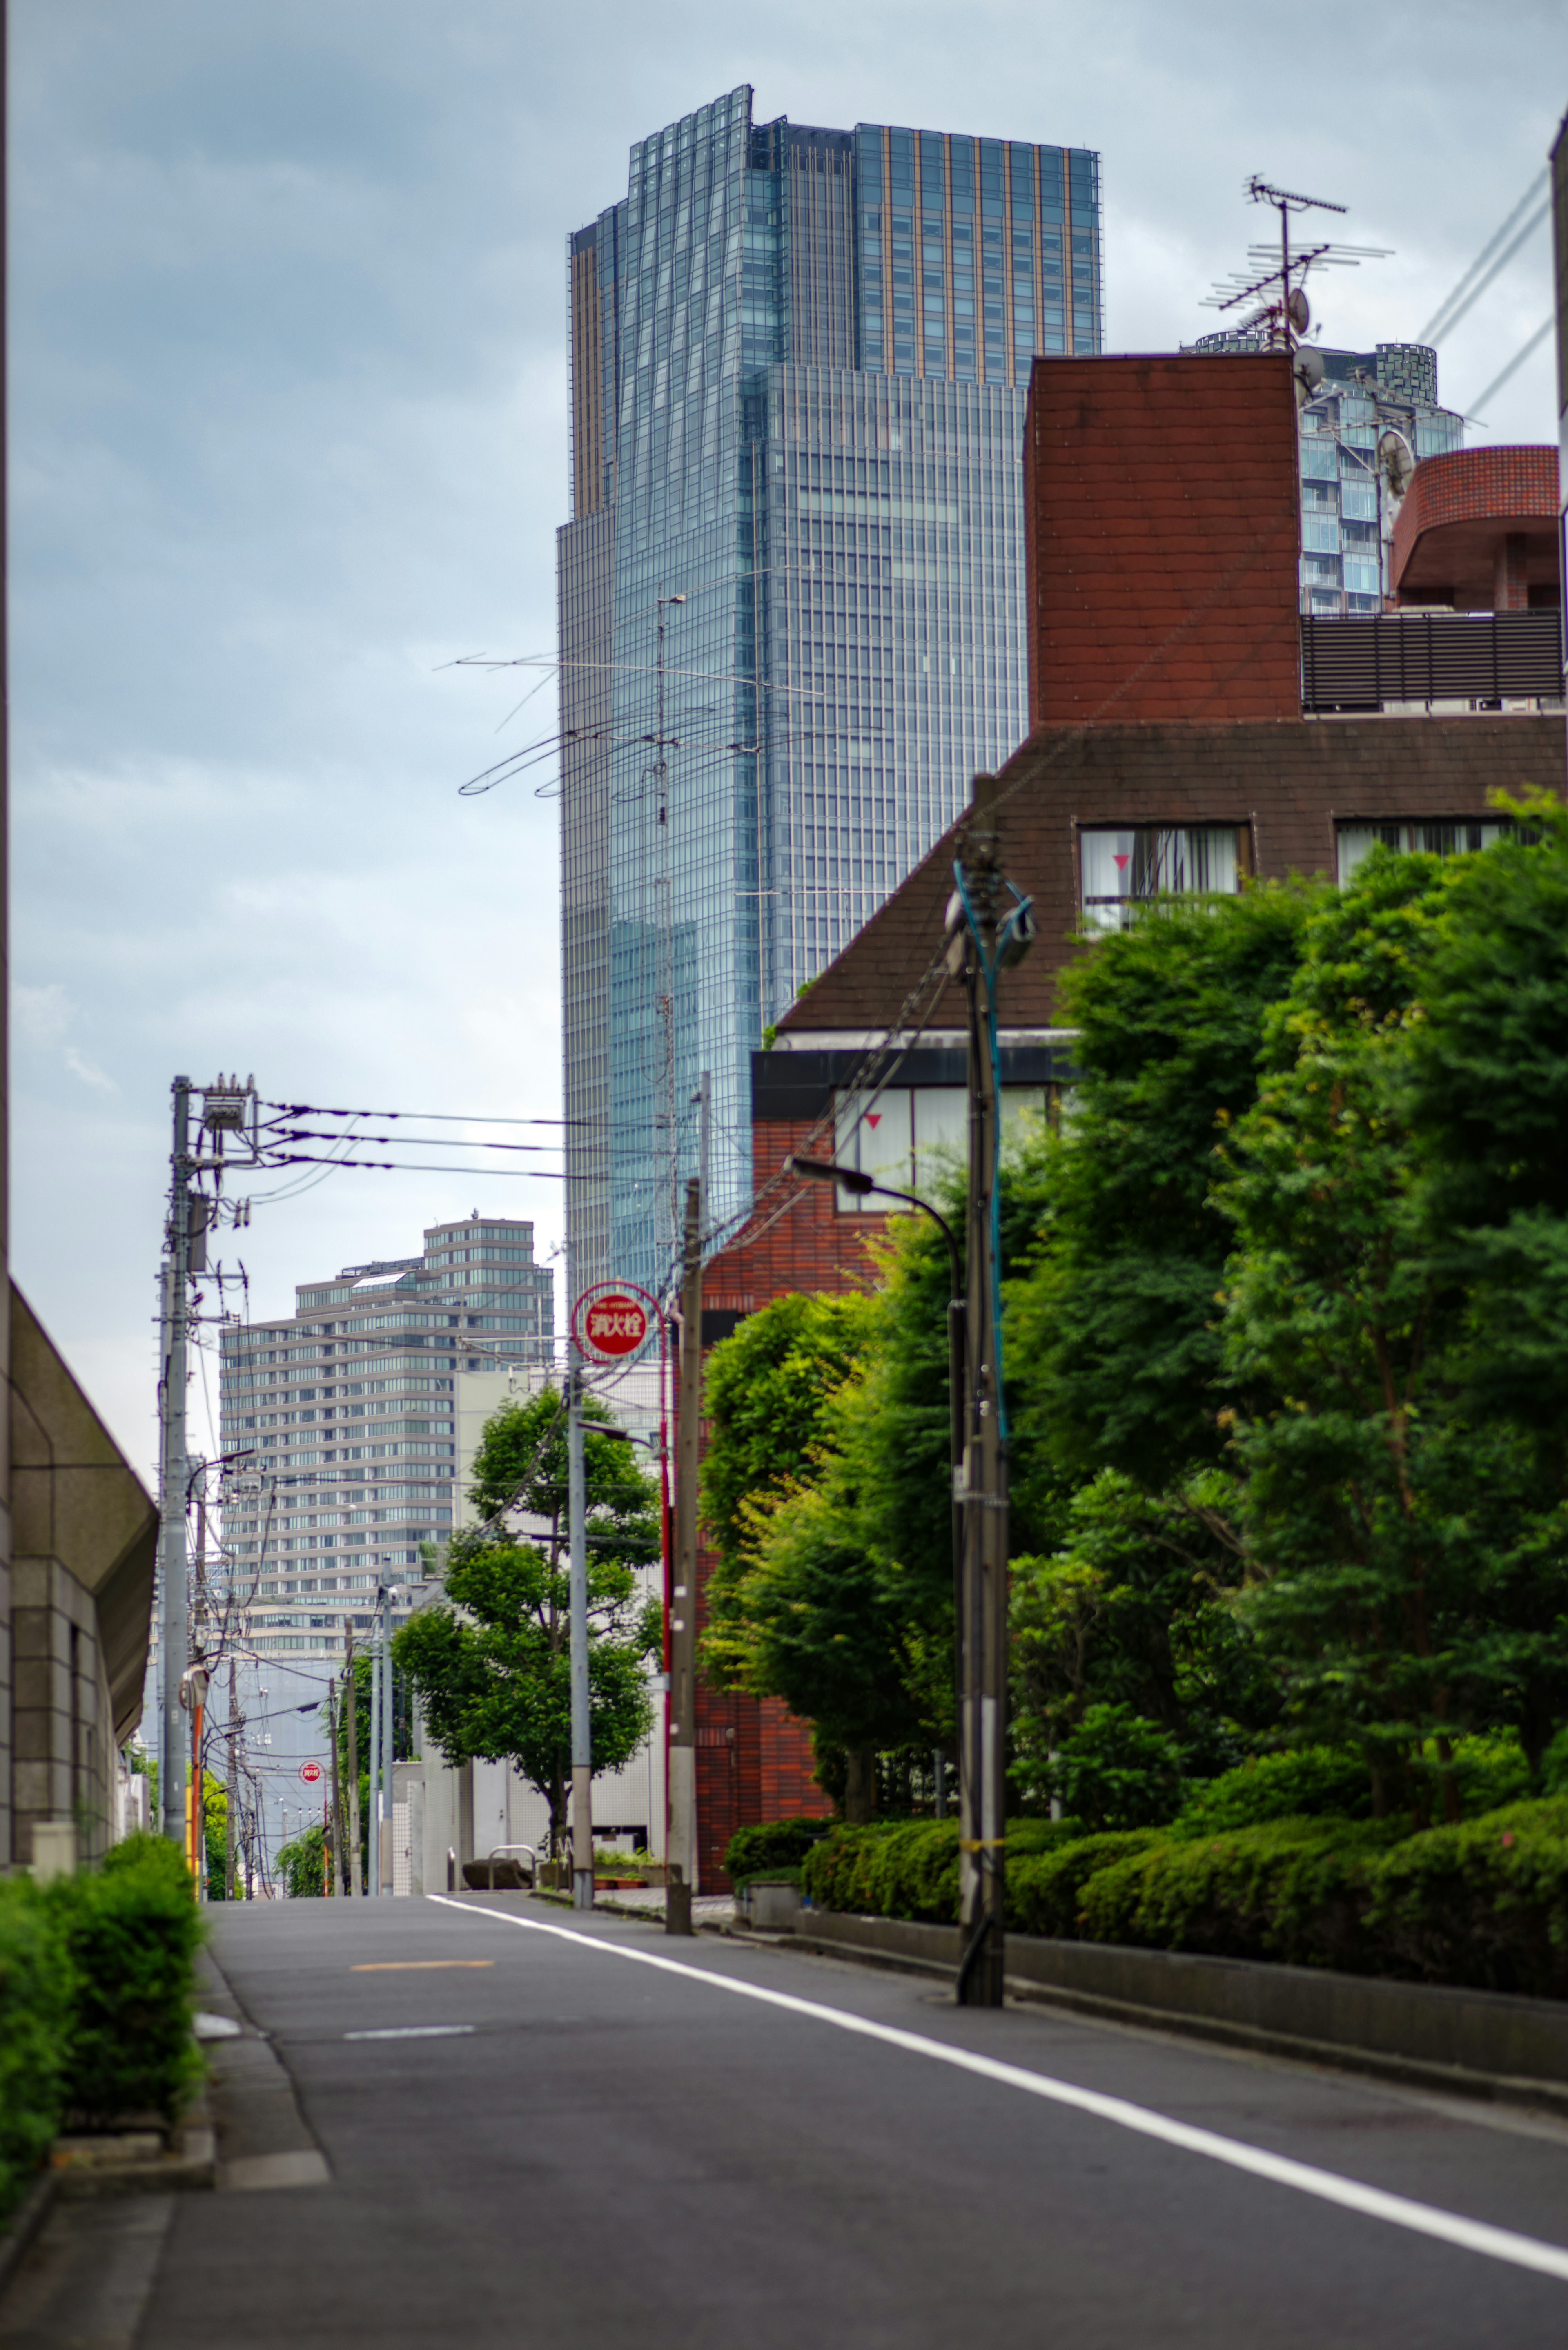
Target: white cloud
point(289, 429)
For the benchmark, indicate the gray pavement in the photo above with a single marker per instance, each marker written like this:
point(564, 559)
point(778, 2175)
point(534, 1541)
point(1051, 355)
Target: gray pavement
point(610, 2154)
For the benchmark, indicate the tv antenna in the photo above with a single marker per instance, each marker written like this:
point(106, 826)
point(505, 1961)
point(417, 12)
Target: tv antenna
point(1276, 283)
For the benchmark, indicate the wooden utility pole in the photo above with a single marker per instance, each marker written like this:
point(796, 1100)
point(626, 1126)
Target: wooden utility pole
point(683, 1700)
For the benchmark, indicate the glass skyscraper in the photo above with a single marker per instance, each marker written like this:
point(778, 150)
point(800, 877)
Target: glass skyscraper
point(791, 592)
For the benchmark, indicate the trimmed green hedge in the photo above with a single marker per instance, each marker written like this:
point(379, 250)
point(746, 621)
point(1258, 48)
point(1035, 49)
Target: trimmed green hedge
point(771, 1844)
point(36, 1984)
point(131, 1935)
point(910, 1868)
point(1484, 1904)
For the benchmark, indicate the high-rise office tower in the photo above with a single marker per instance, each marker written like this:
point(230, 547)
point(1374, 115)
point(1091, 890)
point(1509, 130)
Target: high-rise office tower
point(341, 1425)
point(791, 592)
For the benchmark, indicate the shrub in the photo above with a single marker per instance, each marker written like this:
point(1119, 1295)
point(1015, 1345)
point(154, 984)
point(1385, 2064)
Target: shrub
point(1484, 1903)
point(1045, 1889)
point(35, 1985)
point(130, 1936)
point(1292, 1889)
point(910, 1868)
point(1312, 1781)
point(1118, 1769)
point(772, 1845)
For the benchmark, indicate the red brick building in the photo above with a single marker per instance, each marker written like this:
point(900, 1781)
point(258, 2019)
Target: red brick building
point(1170, 751)
point(1478, 532)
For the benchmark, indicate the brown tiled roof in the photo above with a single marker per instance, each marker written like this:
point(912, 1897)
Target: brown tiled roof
point(1289, 780)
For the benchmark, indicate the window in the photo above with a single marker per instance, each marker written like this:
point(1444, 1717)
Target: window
point(1450, 836)
point(1121, 868)
point(913, 1139)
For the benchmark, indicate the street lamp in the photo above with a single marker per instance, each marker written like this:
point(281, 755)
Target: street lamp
point(827, 1171)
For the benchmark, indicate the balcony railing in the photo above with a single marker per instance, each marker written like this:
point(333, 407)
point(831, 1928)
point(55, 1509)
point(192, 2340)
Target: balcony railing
point(1484, 659)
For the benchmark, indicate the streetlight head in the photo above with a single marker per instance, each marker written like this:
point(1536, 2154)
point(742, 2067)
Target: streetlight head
point(675, 600)
point(827, 1171)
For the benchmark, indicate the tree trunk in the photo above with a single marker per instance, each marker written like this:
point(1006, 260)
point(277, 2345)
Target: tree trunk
point(860, 1786)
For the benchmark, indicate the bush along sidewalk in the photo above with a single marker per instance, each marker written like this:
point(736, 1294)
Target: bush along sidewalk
point(1482, 1905)
point(97, 1980)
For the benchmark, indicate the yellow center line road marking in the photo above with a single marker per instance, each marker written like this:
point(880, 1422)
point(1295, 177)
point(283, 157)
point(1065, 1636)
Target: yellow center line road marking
point(413, 1965)
point(1350, 2194)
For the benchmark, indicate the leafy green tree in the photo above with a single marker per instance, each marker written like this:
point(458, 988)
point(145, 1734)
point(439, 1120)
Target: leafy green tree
point(302, 1865)
point(1382, 1523)
point(1136, 1612)
point(829, 1496)
point(765, 1394)
point(1114, 1326)
point(492, 1664)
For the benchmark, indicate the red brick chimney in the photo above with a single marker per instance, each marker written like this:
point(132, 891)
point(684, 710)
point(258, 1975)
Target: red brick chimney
point(1162, 539)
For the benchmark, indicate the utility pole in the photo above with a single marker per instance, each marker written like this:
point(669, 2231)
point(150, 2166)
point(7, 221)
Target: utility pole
point(577, 1589)
point(232, 1787)
point(987, 936)
point(352, 1686)
point(172, 1473)
point(372, 1765)
point(336, 1837)
point(681, 1846)
point(386, 1862)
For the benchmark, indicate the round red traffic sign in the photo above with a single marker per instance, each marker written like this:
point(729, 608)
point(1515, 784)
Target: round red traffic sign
point(310, 1773)
point(612, 1320)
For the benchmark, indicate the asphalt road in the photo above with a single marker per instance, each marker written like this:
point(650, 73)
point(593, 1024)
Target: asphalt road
point(613, 2153)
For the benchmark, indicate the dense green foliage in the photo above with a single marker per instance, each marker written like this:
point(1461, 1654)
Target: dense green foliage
point(769, 1846)
point(1286, 1292)
point(302, 1865)
point(1113, 1331)
point(36, 1984)
point(834, 1586)
point(130, 1935)
point(492, 1663)
point(1484, 1903)
point(910, 1868)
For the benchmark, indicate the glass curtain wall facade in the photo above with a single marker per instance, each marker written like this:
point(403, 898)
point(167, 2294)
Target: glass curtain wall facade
point(791, 593)
point(1347, 516)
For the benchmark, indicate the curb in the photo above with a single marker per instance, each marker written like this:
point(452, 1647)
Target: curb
point(21, 2231)
point(1407, 2071)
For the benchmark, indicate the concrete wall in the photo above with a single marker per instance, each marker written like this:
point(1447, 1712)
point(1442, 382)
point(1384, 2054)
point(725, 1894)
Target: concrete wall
point(79, 1601)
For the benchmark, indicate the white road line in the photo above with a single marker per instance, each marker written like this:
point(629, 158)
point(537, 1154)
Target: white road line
point(1350, 2194)
point(416, 2031)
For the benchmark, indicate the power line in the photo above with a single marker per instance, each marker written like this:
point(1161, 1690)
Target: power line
point(1517, 362)
point(1471, 286)
point(425, 1117)
point(401, 1166)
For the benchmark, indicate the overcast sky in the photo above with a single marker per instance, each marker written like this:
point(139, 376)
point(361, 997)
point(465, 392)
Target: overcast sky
point(288, 434)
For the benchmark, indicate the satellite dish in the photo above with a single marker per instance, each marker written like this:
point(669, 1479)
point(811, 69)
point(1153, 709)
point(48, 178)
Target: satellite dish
point(1397, 461)
point(1308, 371)
point(1298, 310)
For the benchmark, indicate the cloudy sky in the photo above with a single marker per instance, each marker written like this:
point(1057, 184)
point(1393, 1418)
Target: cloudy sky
point(289, 434)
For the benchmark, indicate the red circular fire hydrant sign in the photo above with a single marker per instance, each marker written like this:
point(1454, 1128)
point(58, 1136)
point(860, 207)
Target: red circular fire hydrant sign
point(612, 1320)
point(310, 1773)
